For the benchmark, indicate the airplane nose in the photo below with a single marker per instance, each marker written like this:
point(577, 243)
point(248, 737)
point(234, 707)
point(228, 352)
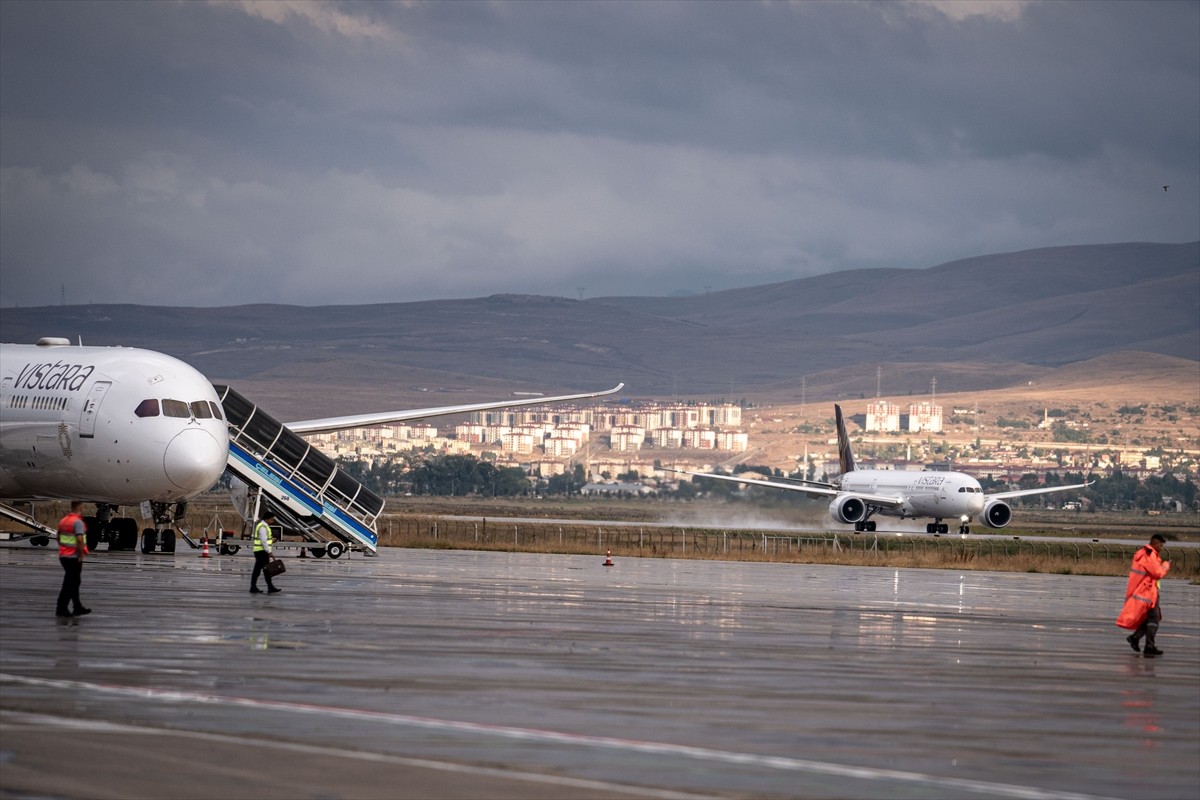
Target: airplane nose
point(195, 460)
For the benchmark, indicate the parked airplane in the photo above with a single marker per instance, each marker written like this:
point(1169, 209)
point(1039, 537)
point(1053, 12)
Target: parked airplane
point(859, 494)
point(121, 426)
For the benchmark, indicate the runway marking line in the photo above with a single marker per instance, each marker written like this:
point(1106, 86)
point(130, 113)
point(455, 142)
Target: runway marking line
point(29, 720)
point(782, 763)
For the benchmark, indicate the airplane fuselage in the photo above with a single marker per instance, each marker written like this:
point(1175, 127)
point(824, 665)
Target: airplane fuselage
point(938, 495)
point(112, 425)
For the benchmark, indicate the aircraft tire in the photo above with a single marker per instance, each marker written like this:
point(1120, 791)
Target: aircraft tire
point(168, 541)
point(93, 533)
point(123, 534)
point(148, 541)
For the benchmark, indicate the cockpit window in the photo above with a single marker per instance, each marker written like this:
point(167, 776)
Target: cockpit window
point(200, 410)
point(176, 408)
point(216, 409)
point(147, 408)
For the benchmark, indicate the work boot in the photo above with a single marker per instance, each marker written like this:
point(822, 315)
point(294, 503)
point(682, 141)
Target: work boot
point(1152, 652)
point(1133, 642)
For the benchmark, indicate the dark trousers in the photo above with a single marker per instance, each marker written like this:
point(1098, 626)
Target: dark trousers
point(1149, 626)
point(261, 557)
point(72, 577)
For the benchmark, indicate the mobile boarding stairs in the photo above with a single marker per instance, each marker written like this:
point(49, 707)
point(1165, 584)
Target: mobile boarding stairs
point(313, 497)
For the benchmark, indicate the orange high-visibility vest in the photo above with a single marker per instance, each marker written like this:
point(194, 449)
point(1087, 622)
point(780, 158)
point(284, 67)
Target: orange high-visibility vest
point(69, 545)
point(1141, 590)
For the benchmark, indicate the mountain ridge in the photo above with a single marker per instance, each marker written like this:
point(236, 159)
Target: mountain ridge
point(987, 322)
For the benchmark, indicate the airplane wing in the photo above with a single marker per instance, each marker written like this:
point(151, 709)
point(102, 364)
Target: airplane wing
point(807, 482)
point(885, 501)
point(1043, 490)
point(327, 424)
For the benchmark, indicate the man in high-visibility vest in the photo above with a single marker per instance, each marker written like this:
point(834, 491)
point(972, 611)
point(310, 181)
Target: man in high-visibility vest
point(72, 547)
point(262, 551)
point(1141, 612)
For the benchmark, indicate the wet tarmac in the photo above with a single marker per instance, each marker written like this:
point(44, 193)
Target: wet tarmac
point(453, 674)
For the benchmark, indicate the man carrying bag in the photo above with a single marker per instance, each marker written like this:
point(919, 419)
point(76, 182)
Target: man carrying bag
point(262, 552)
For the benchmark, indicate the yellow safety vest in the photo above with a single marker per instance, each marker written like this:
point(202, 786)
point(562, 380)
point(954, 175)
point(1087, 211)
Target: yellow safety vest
point(258, 538)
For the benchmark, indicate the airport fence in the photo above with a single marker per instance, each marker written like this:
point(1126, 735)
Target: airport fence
point(1093, 557)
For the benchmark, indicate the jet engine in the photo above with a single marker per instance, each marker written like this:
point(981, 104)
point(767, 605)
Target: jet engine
point(995, 514)
point(848, 509)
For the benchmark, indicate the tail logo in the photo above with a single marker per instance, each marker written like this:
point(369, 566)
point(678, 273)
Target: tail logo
point(845, 454)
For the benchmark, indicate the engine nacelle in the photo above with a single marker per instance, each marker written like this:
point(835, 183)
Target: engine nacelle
point(995, 514)
point(848, 509)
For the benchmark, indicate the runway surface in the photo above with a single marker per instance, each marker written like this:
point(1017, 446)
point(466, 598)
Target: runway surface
point(452, 674)
point(891, 528)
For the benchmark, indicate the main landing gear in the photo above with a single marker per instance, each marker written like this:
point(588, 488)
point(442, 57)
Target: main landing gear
point(120, 533)
point(866, 525)
point(940, 527)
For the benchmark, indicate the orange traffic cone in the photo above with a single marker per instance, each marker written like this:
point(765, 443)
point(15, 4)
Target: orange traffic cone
point(608, 559)
point(204, 552)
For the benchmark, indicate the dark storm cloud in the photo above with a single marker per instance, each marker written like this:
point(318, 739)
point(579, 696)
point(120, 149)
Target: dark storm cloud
point(213, 153)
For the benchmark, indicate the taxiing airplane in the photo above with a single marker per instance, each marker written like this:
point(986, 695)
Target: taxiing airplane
point(859, 494)
point(119, 426)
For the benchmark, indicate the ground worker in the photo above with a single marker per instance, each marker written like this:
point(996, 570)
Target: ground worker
point(72, 547)
point(262, 552)
point(1141, 613)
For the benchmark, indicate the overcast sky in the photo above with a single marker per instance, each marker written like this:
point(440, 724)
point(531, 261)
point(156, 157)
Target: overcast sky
point(215, 153)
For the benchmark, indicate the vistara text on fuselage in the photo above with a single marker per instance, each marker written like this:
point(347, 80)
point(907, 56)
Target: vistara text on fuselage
point(113, 425)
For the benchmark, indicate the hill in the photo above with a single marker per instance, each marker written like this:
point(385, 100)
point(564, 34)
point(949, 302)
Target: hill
point(985, 323)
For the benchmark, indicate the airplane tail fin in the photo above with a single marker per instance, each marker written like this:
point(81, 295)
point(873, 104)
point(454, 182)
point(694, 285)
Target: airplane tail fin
point(845, 454)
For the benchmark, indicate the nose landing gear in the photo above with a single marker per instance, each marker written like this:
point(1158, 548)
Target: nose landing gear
point(161, 536)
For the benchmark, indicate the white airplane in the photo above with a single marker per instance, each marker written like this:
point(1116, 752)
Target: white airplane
point(859, 494)
point(121, 426)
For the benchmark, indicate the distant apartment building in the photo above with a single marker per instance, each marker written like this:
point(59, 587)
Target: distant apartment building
point(726, 416)
point(667, 438)
point(516, 442)
point(734, 441)
point(579, 431)
point(624, 438)
point(883, 416)
point(925, 417)
point(628, 428)
point(376, 441)
point(470, 432)
point(561, 447)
